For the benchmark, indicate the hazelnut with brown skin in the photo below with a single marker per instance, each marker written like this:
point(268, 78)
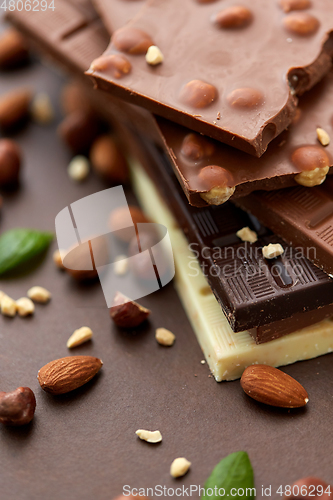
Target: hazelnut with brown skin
point(79, 130)
point(13, 49)
point(14, 108)
point(119, 215)
point(108, 161)
point(17, 407)
point(10, 162)
point(126, 313)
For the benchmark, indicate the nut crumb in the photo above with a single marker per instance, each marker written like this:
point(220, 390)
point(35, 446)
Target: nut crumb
point(2, 294)
point(8, 306)
point(218, 195)
point(80, 336)
point(39, 294)
point(310, 178)
point(218, 117)
point(25, 306)
point(246, 234)
point(41, 109)
point(57, 259)
point(79, 168)
point(149, 436)
point(203, 361)
point(323, 137)
point(272, 250)
point(165, 337)
point(121, 265)
point(154, 56)
point(179, 467)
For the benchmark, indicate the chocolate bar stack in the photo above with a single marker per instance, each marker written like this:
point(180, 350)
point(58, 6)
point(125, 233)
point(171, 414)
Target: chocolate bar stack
point(227, 113)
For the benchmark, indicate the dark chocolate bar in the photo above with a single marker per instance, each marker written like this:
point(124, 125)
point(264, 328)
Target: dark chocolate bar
point(301, 216)
point(269, 299)
point(229, 72)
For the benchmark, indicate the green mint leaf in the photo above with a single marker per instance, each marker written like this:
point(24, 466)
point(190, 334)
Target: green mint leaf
point(20, 245)
point(234, 471)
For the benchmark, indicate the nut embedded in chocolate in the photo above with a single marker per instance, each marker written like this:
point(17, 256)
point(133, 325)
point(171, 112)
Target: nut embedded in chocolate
point(219, 184)
point(10, 162)
point(17, 407)
point(245, 98)
point(131, 40)
point(108, 160)
point(198, 94)
point(196, 148)
point(309, 158)
point(289, 5)
point(236, 16)
point(301, 23)
point(13, 49)
point(116, 64)
point(126, 313)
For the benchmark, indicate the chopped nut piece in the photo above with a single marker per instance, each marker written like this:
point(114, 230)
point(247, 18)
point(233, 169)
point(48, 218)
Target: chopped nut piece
point(126, 313)
point(323, 137)
point(179, 467)
point(165, 337)
point(149, 436)
point(8, 306)
point(154, 56)
point(41, 109)
point(121, 265)
point(79, 337)
point(79, 168)
point(57, 259)
point(218, 195)
point(2, 295)
point(310, 178)
point(25, 306)
point(272, 250)
point(246, 234)
point(39, 294)
point(203, 361)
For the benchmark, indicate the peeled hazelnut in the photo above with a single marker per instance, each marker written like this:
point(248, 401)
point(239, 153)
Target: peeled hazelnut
point(246, 234)
point(234, 17)
point(131, 40)
point(195, 147)
point(126, 313)
point(14, 108)
point(57, 259)
point(313, 177)
point(165, 337)
point(13, 49)
point(114, 64)
point(309, 488)
point(119, 218)
point(78, 168)
point(272, 251)
point(39, 294)
point(78, 130)
point(245, 98)
point(25, 307)
point(10, 162)
point(301, 23)
point(41, 109)
point(218, 183)
point(8, 306)
point(17, 407)
point(108, 161)
point(179, 467)
point(289, 5)
point(154, 56)
point(198, 94)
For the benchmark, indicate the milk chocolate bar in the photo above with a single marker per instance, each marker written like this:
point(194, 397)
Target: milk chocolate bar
point(218, 76)
point(302, 216)
point(117, 13)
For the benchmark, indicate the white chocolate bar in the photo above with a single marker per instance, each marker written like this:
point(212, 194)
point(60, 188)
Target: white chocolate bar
point(226, 352)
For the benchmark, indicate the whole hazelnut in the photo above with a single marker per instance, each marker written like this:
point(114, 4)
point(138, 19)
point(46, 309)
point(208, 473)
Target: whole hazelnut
point(14, 108)
point(17, 407)
point(74, 98)
point(116, 65)
point(142, 266)
point(108, 161)
point(78, 130)
point(13, 49)
point(10, 162)
point(127, 313)
point(119, 218)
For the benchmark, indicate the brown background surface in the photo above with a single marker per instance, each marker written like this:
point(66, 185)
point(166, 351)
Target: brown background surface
point(83, 445)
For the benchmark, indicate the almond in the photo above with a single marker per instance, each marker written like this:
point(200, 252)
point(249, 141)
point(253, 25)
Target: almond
point(273, 387)
point(66, 374)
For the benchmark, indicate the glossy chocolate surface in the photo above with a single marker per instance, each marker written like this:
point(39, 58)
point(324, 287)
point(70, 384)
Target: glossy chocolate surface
point(218, 77)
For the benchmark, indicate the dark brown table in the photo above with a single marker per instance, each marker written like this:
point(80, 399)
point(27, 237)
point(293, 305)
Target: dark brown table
point(83, 445)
